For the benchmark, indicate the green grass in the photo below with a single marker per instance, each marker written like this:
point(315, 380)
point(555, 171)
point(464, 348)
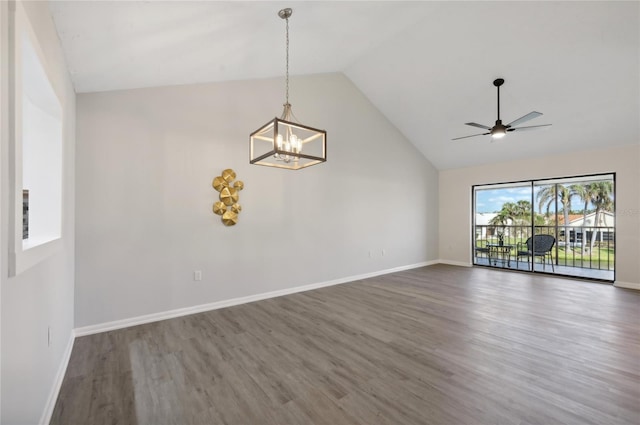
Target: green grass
point(599, 258)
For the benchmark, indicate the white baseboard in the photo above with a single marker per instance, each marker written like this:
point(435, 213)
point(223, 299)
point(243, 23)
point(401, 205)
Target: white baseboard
point(170, 314)
point(57, 383)
point(455, 263)
point(627, 285)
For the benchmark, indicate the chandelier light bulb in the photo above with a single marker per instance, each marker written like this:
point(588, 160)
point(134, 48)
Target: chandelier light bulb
point(296, 144)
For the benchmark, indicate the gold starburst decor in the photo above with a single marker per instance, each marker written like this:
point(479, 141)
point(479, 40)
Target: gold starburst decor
point(229, 196)
point(227, 207)
point(219, 183)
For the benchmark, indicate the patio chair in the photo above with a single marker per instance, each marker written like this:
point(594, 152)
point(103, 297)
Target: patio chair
point(481, 248)
point(543, 245)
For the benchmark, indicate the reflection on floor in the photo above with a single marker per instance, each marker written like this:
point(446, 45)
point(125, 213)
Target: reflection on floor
point(539, 267)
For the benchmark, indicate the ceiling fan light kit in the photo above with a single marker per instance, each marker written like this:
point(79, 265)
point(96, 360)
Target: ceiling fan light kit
point(500, 130)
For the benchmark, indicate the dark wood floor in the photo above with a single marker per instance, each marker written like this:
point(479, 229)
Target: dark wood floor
point(436, 345)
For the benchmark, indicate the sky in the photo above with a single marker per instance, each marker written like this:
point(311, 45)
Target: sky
point(491, 200)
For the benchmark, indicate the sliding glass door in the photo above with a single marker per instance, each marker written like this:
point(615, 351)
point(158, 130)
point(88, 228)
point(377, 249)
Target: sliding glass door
point(561, 226)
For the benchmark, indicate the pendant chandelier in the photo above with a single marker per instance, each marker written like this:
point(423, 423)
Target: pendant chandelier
point(284, 142)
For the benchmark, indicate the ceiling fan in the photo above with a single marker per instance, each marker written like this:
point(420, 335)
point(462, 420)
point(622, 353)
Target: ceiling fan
point(499, 130)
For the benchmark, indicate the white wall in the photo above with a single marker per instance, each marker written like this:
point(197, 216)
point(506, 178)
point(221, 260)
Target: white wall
point(43, 295)
point(145, 162)
point(455, 199)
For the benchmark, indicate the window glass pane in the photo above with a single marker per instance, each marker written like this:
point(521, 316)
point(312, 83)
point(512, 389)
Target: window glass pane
point(563, 226)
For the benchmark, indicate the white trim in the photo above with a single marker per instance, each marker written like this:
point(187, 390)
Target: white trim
point(57, 383)
point(21, 257)
point(154, 317)
point(627, 285)
point(5, 12)
point(455, 263)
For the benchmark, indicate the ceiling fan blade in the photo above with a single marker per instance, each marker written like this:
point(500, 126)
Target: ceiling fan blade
point(473, 124)
point(529, 116)
point(531, 127)
point(473, 135)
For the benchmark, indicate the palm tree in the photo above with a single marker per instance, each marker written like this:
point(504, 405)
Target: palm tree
point(503, 217)
point(600, 195)
point(548, 195)
point(518, 214)
point(582, 191)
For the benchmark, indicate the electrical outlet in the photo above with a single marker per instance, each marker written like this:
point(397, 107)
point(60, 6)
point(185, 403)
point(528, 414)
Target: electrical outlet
point(197, 275)
point(384, 251)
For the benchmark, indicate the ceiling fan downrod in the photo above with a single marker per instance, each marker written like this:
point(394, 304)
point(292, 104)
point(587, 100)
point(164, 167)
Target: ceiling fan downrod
point(498, 82)
point(498, 131)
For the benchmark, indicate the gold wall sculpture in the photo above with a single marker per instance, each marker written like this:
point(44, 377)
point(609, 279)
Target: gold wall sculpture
point(227, 207)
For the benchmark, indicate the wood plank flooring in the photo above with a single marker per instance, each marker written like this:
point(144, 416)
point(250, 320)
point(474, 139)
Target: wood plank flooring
point(436, 345)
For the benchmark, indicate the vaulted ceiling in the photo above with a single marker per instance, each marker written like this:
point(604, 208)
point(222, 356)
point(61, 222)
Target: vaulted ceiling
point(428, 66)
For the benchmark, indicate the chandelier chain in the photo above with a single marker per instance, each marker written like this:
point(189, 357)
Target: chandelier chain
point(287, 78)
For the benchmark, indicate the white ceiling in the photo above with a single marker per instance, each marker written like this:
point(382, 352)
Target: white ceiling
point(428, 66)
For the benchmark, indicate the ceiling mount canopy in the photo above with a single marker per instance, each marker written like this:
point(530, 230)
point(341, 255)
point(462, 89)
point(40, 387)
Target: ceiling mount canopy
point(284, 142)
